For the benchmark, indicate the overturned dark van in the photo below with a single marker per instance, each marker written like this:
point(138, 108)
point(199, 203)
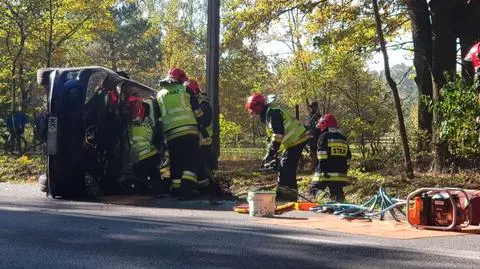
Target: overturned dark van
point(86, 128)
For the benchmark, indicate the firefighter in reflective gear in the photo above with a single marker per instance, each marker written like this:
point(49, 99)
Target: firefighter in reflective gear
point(205, 169)
point(180, 116)
point(143, 154)
point(333, 155)
point(287, 136)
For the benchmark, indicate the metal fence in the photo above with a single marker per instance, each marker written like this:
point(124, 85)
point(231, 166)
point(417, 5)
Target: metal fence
point(241, 153)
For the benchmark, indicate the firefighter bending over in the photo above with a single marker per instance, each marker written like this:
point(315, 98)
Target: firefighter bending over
point(180, 116)
point(144, 155)
point(288, 136)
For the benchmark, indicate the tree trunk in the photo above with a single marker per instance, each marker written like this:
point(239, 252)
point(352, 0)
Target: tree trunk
point(362, 146)
point(422, 60)
point(396, 97)
point(22, 86)
point(213, 56)
point(15, 61)
point(13, 74)
point(50, 35)
point(443, 62)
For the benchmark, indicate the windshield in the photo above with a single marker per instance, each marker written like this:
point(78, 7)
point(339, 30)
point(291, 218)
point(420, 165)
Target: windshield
point(95, 82)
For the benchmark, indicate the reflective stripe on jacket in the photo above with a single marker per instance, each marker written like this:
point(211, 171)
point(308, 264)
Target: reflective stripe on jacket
point(141, 146)
point(324, 177)
point(333, 153)
point(178, 118)
point(294, 132)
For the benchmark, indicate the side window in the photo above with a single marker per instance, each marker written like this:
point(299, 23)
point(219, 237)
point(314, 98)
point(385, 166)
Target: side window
point(95, 82)
point(148, 96)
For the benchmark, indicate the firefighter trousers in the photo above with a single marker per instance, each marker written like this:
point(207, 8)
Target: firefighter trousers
point(184, 161)
point(205, 169)
point(288, 171)
point(335, 187)
point(148, 169)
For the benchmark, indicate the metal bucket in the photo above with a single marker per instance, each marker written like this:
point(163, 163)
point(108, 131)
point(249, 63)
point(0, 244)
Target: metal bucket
point(261, 203)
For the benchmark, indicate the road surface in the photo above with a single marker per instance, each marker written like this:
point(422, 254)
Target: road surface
point(40, 232)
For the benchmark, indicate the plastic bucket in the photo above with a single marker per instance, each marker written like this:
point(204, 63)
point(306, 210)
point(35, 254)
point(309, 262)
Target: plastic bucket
point(261, 203)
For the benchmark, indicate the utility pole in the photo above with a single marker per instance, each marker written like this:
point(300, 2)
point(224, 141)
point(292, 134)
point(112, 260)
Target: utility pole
point(213, 47)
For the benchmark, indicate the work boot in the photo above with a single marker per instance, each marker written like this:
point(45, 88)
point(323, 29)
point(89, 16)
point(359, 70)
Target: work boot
point(173, 190)
point(320, 194)
point(161, 189)
point(284, 195)
point(337, 194)
point(187, 192)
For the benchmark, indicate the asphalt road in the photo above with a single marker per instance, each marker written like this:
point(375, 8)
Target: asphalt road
point(40, 232)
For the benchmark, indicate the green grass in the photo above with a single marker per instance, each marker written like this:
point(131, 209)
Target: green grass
point(20, 169)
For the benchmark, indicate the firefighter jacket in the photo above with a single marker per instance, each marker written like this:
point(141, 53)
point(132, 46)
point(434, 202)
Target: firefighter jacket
point(283, 128)
point(179, 110)
point(152, 116)
point(206, 131)
point(140, 139)
point(333, 154)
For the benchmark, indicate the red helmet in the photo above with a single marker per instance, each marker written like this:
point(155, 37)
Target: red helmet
point(193, 85)
point(473, 56)
point(255, 103)
point(326, 121)
point(135, 107)
point(177, 74)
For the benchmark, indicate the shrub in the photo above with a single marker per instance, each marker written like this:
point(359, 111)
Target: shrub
point(229, 131)
point(24, 168)
point(458, 109)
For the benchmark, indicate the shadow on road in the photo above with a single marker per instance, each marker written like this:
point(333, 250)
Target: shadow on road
point(41, 240)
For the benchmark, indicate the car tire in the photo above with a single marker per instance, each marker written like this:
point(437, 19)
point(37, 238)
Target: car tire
point(56, 185)
point(43, 76)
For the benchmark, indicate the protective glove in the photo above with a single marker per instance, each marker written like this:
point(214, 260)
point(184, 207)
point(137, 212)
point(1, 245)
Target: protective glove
point(272, 152)
point(267, 159)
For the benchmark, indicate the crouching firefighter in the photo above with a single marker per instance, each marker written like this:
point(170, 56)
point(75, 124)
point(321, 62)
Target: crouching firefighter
point(333, 155)
point(180, 116)
point(143, 154)
point(287, 136)
point(206, 166)
point(474, 56)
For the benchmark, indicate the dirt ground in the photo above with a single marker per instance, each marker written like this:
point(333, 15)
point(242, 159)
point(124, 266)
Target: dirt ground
point(237, 177)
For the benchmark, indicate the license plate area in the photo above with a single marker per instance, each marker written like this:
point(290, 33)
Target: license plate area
point(52, 135)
